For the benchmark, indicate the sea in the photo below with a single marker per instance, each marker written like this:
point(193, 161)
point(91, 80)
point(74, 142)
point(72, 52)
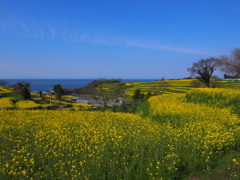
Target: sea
point(37, 85)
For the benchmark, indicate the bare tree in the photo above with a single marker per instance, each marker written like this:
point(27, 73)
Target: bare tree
point(231, 64)
point(203, 69)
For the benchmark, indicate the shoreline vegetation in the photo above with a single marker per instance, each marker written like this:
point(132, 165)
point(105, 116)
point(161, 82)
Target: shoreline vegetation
point(166, 129)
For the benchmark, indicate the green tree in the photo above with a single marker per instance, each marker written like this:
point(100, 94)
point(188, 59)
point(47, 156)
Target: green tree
point(138, 95)
point(149, 94)
point(91, 87)
point(22, 88)
point(25, 93)
point(19, 85)
point(58, 91)
point(40, 94)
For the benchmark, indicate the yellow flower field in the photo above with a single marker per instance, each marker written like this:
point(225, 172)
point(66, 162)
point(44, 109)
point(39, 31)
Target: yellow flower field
point(178, 138)
point(199, 132)
point(26, 104)
point(176, 86)
point(220, 97)
point(47, 144)
point(173, 86)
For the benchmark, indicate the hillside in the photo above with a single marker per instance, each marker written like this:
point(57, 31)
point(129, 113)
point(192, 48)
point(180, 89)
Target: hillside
point(173, 136)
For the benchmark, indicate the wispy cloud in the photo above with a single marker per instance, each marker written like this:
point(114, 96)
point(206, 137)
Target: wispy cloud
point(138, 43)
point(42, 31)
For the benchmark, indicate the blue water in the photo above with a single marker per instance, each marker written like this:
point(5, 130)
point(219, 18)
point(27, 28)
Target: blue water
point(48, 84)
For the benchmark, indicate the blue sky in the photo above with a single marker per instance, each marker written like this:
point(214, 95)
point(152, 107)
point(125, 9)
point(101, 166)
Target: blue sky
point(113, 38)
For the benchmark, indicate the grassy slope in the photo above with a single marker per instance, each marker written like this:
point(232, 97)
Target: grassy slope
point(175, 86)
point(201, 136)
point(225, 166)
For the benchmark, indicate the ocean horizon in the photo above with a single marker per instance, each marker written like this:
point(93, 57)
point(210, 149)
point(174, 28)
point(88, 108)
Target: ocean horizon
point(37, 85)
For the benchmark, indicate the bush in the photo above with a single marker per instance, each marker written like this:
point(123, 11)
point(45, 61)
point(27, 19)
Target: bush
point(52, 107)
point(216, 84)
point(197, 84)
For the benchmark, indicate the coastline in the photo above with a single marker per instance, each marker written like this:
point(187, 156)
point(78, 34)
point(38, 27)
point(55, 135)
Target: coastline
point(37, 85)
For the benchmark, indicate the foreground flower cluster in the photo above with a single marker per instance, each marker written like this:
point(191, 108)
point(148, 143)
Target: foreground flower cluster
point(71, 144)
